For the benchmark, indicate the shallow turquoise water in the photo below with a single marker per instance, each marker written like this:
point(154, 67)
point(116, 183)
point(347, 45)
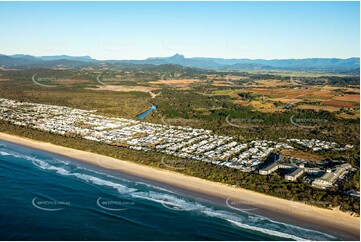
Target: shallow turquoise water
point(146, 113)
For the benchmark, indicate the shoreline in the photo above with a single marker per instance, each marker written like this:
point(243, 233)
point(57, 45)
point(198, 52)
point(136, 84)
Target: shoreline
point(332, 222)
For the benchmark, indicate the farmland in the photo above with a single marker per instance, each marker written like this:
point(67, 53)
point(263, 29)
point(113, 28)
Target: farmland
point(175, 82)
point(278, 96)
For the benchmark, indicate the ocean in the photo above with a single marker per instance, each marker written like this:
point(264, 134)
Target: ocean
point(50, 197)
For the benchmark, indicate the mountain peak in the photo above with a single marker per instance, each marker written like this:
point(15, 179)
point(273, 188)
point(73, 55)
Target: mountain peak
point(177, 56)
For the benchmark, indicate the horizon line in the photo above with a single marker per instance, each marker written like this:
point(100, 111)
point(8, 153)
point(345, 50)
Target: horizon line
point(112, 59)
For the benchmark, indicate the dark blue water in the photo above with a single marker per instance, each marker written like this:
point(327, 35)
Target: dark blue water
point(50, 197)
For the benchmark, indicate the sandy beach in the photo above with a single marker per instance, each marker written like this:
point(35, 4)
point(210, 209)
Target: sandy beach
point(333, 222)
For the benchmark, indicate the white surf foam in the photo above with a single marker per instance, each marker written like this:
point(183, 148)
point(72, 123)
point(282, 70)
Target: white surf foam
point(169, 200)
point(246, 221)
point(155, 187)
point(266, 231)
point(255, 223)
point(98, 181)
point(4, 153)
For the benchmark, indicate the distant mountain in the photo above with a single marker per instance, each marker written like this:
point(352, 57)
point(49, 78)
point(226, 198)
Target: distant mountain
point(66, 57)
point(55, 57)
point(18, 61)
point(26, 57)
point(311, 64)
point(25, 61)
point(239, 64)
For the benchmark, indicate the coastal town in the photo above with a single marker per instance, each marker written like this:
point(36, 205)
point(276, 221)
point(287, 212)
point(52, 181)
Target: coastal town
point(180, 120)
point(183, 142)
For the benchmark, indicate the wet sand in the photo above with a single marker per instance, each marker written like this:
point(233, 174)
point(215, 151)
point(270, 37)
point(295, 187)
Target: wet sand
point(333, 222)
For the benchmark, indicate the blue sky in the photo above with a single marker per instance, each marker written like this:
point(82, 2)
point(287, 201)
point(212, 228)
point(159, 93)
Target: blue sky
point(137, 30)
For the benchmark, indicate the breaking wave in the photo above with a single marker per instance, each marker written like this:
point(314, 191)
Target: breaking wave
point(170, 200)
